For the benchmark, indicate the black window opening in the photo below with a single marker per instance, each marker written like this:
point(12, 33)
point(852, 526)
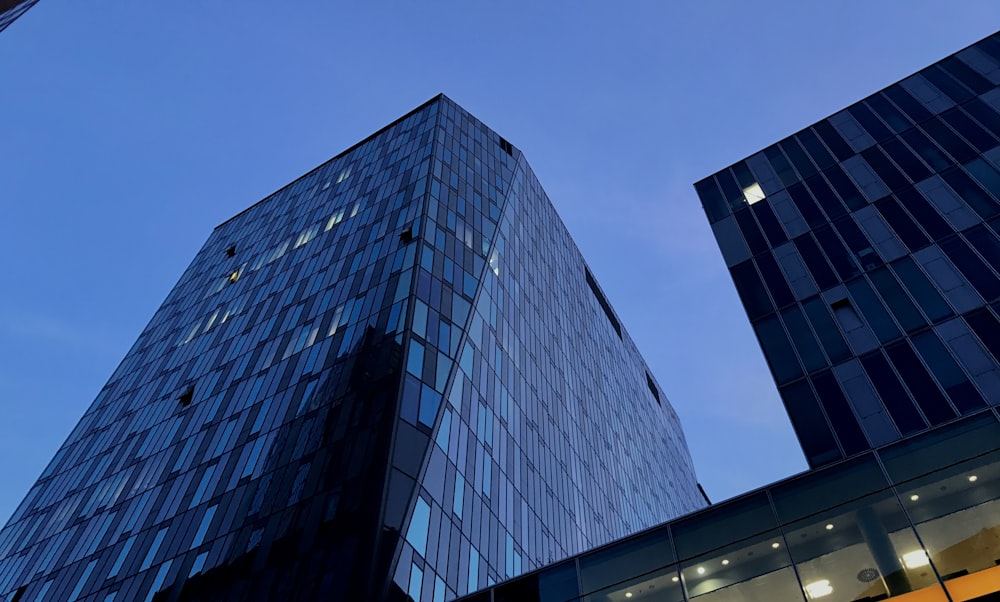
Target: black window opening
point(506, 146)
point(231, 251)
point(603, 302)
point(186, 397)
point(653, 389)
point(406, 236)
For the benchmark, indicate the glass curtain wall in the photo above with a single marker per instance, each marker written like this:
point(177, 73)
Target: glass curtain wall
point(908, 522)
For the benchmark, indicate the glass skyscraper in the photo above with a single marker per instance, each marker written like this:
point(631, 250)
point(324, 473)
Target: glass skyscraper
point(865, 249)
point(394, 377)
point(10, 10)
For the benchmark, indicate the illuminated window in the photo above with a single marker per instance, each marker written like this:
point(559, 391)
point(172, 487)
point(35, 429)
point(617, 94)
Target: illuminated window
point(753, 193)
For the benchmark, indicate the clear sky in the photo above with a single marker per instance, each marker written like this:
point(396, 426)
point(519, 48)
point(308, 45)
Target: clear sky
point(128, 130)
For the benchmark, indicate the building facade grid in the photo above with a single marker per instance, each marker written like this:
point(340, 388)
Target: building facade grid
point(394, 377)
point(865, 250)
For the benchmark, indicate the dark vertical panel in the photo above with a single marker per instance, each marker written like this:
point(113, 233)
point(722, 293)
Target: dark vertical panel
point(769, 223)
point(732, 192)
point(984, 114)
point(963, 394)
point(810, 424)
point(712, 200)
point(834, 141)
point(872, 124)
point(914, 169)
point(986, 242)
point(907, 103)
point(836, 253)
point(927, 150)
point(858, 243)
point(816, 262)
point(778, 350)
point(803, 339)
point(751, 232)
point(824, 195)
point(972, 267)
point(928, 217)
point(965, 74)
point(845, 425)
point(900, 304)
point(948, 140)
point(990, 46)
point(873, 310)
point(947, 84)
point(890, 114)
point(894, 396)
point(815, 148)
point(987, 328)
point(798, 157)
point(986, 175)
point(744, 177)
point(922, 387)
point(884, 168)
point(970, 130)
point(845, 188)
point(921, 289)
point(806, 205)
point(827, 330)
point(774, 280)
point(751, 290)
point(907, 229)
point(781, 165)
point(970, 192)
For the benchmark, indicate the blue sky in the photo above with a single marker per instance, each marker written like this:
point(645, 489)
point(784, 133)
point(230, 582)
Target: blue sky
point(129, 130)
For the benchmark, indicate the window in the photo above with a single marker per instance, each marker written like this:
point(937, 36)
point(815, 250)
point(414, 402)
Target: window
point(653, 389)
point(186, 397)
point(603, 302)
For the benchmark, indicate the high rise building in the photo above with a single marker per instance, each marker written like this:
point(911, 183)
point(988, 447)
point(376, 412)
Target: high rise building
point(10, 10)
point(394, 376)
point(865, 250)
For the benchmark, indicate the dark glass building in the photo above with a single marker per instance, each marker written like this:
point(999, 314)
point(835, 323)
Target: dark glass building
point(865, 250)
point(10, 10)
point(917, 520)
point(394, 377)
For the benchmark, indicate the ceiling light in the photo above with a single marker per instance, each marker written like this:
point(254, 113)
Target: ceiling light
point(725, 562)
point(701, 570)
point(628, 594)
point(829, 526)
point(775, 545)
point(915, 559)
point(818, 589)
point(914, 497)
point(973, 478)
point(676, 579)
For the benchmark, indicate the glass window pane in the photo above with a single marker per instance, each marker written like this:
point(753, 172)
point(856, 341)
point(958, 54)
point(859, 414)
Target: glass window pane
point(861, 550)
point(630, 558)
point(754, 569)
point(700, 533)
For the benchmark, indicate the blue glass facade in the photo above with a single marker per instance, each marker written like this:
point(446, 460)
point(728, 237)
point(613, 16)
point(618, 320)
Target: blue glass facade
point(394, 377)
point(866, 251)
